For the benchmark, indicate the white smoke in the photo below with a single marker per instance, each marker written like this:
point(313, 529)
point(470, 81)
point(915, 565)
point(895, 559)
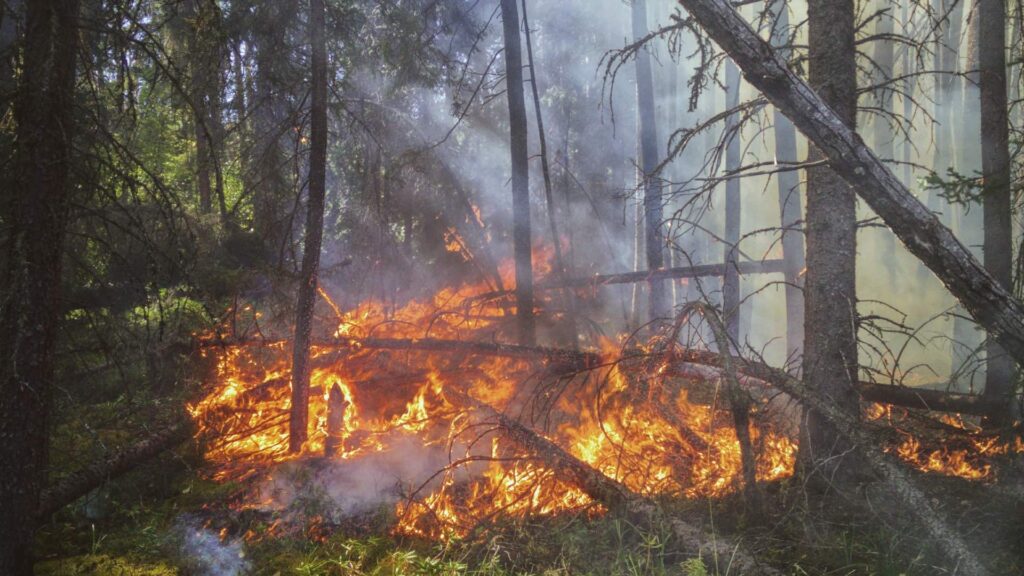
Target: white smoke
point(338, 489)
point(204, 553)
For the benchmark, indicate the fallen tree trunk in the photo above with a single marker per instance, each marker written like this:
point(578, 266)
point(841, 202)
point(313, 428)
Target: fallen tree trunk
point(609, 492)
point(696, 271)
point(752, 376)
point(927, 399)
point(683, 363)
point(919, 229)
point(81, 482)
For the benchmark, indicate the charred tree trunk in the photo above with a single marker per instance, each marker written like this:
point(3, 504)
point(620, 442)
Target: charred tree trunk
point(36, 221)
point(790, 205)
point(830, 334)
point(521, 235)
point(657, 308)
point(298, 422)
point(995, 168)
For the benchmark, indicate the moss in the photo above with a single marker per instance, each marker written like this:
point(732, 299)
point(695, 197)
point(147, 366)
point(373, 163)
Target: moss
point(102, 565)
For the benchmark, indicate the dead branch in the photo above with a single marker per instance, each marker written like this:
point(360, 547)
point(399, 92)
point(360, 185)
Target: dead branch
point(739, 402)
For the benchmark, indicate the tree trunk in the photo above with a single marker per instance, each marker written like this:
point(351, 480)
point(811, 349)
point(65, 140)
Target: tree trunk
point(995, 168)
point(967, 339)
point(733, 206)
point(521, 240)
point(298, 423)
point(648, 138)
point(830, 341)
point(920, 231)
point(200, 92)
point(30, 280)
point(790, 205)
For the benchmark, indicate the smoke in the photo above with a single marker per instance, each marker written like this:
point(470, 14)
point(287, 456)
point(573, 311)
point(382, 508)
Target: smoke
point(204, 553)
point(339, 489)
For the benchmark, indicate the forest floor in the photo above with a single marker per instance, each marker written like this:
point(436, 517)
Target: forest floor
point(165, 519)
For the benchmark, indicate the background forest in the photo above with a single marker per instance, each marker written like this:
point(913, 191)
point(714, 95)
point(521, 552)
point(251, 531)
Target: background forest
point(511, 286)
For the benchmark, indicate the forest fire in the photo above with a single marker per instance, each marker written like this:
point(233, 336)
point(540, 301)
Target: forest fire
point(397, 396)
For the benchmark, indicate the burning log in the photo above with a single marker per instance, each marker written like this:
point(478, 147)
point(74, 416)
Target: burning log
point(602, 489)
point(748, 372)
point(684, 362)
point(336, 405)
point(80, 483)
point(609, 492)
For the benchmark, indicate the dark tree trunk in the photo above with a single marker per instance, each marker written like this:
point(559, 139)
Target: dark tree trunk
point(733, 207)
point(520, 173)
point(790, 205)
point(31, 277)
point(200, 91)
point(925, 237)
point(995, 168)
point(648, 139)
point(298, 423)
point(830, 341)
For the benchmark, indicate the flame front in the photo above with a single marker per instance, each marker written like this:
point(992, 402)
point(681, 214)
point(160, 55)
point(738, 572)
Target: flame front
point(612, 418)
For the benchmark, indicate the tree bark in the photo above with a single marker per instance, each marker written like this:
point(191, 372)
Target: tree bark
point(299, 419)
point(830, 334)
point(521, 235)
point(995, 168)
point(919, 230)
point(36, 217)
point(657, 308)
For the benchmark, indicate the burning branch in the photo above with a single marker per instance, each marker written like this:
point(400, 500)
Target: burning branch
point(739, 401)
point(610, 493)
